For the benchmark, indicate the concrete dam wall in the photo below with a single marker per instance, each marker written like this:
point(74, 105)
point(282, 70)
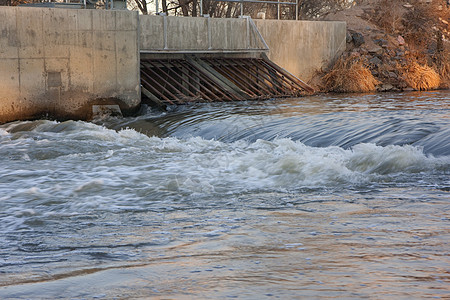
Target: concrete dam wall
point(166, 34)
point(59, 63)
point(303, 47)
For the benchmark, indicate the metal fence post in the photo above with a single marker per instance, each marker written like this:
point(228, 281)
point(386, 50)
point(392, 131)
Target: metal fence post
point(165, 32)
point(278, 10)
point(208, 25)
point(248, 31)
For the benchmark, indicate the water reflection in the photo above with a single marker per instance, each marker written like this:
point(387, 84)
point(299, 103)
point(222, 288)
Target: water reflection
point(339, 248)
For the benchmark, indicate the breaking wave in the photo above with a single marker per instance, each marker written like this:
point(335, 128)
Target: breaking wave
point(127, 157)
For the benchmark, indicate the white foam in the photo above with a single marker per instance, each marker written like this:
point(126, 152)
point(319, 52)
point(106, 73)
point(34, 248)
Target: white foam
point(200, 165)
point(371, 158)
point(91, 185)
point(107, 168)
point(3, 132)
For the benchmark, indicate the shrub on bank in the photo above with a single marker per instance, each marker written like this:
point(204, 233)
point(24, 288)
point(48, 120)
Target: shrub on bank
point(420, 77)
point(350, 75)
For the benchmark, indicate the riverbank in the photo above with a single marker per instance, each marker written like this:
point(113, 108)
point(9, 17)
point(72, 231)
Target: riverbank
point(391, 46)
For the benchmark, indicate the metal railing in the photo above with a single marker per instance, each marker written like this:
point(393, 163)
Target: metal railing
point(278, 3)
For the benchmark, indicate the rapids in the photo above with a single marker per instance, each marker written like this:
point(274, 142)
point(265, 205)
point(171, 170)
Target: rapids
point(339, 196)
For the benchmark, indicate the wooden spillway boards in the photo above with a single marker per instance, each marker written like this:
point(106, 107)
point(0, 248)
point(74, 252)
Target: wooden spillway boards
point(194, 79)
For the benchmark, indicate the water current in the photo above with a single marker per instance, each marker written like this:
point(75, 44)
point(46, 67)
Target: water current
point(330, 196)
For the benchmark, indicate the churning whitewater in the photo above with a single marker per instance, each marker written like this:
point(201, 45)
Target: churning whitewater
point(54, 161)
point(170, 193)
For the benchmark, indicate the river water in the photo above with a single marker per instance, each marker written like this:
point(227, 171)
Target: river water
point(330, 196)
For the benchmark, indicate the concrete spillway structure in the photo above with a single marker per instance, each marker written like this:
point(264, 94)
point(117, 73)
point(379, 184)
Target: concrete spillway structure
point(219, 60)
point(60, 63)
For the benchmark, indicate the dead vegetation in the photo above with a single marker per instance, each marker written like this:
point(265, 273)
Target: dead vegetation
point(442, 66)
point(388, 15)
point(392, 46)
point(350, 75)
point(418, 26)
point(420, 77)
point(441, 61)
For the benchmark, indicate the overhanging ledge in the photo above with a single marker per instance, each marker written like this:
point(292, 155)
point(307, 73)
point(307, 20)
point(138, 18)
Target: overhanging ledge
point(243, 51)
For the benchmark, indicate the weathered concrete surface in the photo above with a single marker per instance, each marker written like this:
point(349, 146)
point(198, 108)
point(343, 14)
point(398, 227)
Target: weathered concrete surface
point(60, 62)
point(186, 34)
point(303, 47)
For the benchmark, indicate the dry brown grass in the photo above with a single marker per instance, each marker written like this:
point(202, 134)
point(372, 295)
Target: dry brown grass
point(350, 75)
point(444, 70)
point(388, 15)
point(420, 77)
point(418, 26)
point(442, 66)
point(423, 22)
